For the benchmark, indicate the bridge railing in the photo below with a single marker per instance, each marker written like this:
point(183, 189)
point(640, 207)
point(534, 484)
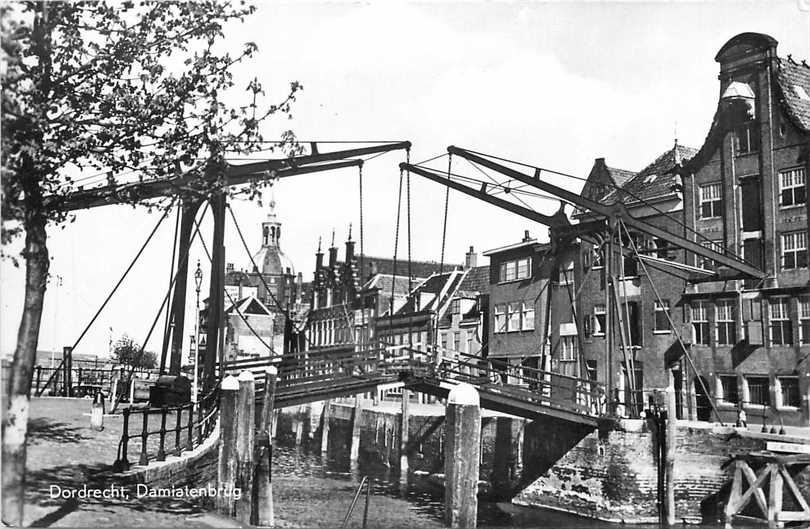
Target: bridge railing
point(546, 388)
point(155, 433)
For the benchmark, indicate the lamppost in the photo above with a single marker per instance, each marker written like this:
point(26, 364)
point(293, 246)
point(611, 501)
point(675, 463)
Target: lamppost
point(198, 282)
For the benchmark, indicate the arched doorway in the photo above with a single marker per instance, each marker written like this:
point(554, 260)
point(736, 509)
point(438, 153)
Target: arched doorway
point(702, 399)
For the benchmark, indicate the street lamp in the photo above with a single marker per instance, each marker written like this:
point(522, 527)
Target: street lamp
point(197, 281)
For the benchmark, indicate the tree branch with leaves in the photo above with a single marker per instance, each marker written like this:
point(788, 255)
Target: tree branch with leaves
point(110, 87)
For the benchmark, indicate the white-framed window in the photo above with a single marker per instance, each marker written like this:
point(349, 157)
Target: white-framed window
point(804, 319)
point(456, 341)
point(794, 250)
point(705, 262)
point(792, 190)
point(725, 323)
point(513, 317)
point(781, 329)
point(711, 201)
point(787, 391)
point(599, 318)
point(527, 317)
point(568, 348)
point(661, 324)
point(515, 269)
point(500, 317)
point(700, 322)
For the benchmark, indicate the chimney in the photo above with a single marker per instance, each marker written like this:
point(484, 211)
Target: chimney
point(332, 253)
point(318, 257)
point(349, 247)
point(471, 259)
point(526, 236)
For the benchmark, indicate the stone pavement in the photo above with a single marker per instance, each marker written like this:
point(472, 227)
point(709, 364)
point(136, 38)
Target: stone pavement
point(64, 453)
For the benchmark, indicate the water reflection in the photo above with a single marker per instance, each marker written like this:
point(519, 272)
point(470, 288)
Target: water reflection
point(423, 492)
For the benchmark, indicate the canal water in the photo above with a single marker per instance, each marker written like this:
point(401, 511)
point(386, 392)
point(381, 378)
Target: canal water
point(423, 494)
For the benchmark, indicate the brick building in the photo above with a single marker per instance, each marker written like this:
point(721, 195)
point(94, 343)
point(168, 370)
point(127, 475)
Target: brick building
point(527, 281)
point(745, 192)
point(654, 195)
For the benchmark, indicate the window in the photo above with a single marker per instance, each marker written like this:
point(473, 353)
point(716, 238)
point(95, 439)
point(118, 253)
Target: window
point(469, 350)
point(455, 306)
point(567, 275)
point(599, 320)
point(517, 269)
point(705, 262)
point(662, 249)
point(711, 201)
point(700, 323)
point(792, 189)
point(456, 341)
point(598, 258)
point(728, 389)
point(527, 318)
point(724, 320)
point(747, 138)
point(500, 318)
point(661, 317)
point(789, 391)
point(781, 329)
point(568, 348)
point(513, 317)
point(804, 319)
point(758, 391)
point(794, 250)
point(444, 341)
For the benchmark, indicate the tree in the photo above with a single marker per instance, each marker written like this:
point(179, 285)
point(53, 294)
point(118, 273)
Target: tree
point(92, 86)
point(127, 352)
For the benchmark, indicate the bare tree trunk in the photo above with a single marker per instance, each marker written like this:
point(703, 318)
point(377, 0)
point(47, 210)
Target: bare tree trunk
point(15, 425)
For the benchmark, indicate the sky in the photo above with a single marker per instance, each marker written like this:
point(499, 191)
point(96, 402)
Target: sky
point(551, 84)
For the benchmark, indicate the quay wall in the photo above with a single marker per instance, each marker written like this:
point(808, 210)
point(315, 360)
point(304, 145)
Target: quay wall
point(609, 474)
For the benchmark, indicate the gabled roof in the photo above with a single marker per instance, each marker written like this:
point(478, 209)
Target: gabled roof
point(476, 280)
point(657, 180)
point(793, 80)
point(384, 282)
point(249, 305)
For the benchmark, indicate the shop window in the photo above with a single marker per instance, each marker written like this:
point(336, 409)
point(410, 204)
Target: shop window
point(728, 389)
point(758, 391)
point(789, 391)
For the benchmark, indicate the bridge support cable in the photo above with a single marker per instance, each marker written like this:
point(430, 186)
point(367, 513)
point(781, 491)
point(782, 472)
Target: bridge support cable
point(236, 306)
point(396, 250)
point(446, 207)
point(275, 300)
point(677, 333)
point(624, 324)
point(109, 297)
point(166, 326)
point(163, 304)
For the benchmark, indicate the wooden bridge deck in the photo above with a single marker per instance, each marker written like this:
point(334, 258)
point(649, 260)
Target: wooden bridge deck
point(321, 375)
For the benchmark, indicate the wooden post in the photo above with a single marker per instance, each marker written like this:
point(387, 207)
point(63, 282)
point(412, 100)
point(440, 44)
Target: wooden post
point(774, 497)
point(245, 431)
point(461, 455)
point(97, 413)
point(262, 497)
point(226, 469)
point(354, 453)
point(404, 433)
point(268, 402)
point(325, 414)
point(131, 388)
point(215, 294)
point(671, 439)
point(67, 360)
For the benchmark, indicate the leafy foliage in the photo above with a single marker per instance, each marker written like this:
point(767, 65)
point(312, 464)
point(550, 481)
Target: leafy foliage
point(127, 352)
point(121, 88)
